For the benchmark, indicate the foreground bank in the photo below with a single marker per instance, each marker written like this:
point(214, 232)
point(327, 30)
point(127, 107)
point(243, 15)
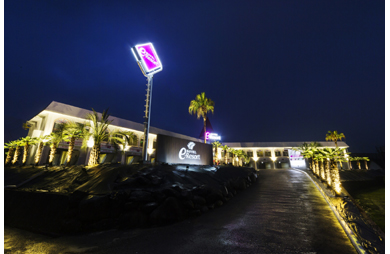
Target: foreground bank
point(68, 200)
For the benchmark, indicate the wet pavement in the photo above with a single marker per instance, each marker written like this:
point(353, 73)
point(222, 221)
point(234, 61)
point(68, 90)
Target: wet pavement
point(282, 212)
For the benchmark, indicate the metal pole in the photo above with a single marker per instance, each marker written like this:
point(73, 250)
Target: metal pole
point(147, 118)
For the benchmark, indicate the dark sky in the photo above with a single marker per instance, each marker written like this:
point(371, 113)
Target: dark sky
point(276, 70)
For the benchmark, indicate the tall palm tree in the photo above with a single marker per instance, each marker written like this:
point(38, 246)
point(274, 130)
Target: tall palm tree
point(365, 161)
point(72, 131)
point(11, 150)
point(334, 136)
point(357, 159)
point(54, 139)
point(41, 142)
point(99, 132)
point(216, 144)
point(26, 143)
point(225, 149)
point(201, 106)
point(18, 147)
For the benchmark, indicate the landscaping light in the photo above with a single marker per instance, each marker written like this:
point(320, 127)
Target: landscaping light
point(150, 151)
point(91, 142)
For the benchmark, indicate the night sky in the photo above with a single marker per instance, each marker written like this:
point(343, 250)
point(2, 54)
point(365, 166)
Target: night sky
point(276, 70)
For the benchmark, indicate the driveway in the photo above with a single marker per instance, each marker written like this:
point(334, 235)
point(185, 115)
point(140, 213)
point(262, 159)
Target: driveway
point(282, 212)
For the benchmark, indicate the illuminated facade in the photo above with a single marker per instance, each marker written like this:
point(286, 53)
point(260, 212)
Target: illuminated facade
point(47, 120)
point(262, 154)
point(273, 154)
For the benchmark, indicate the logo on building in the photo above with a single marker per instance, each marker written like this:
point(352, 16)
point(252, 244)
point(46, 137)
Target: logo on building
point(189, 153)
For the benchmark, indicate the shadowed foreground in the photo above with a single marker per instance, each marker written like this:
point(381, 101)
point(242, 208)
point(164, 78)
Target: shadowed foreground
point(282, 212)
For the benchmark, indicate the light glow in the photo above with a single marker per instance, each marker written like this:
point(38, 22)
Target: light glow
point(91, 142)
point(147, 57)
point(150, 151)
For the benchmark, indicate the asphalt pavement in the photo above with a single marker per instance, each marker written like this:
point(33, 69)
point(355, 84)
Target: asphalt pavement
point(282, 212)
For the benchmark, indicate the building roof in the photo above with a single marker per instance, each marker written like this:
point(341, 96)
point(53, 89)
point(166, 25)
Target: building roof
point(341, 144)
point(65, 109)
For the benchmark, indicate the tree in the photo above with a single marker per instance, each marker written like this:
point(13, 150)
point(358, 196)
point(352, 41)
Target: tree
point(365, 161)
point(40, 141)
point(99, 132)
point(123, 138)
point(216, 144)
point(72, 131)
point(333, 154)
point(201, 106)
point(11, 146)
point(334, 136)
point(225, 149)
point(15, 158)
point(26, 143)
point(54, 139)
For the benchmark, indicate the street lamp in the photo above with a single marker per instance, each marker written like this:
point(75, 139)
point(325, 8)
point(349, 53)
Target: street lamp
point(149, 63)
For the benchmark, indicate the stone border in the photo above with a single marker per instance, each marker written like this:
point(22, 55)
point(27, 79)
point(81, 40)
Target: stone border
point(351, 235)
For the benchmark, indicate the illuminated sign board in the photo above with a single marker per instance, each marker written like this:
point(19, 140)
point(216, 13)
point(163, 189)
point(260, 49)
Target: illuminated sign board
point(296, 159)
point(213, 136)
point(147, 58)
point(183, 151)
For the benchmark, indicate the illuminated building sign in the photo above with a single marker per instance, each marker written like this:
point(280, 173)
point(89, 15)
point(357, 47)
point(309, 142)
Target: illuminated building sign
point(296, 159)
point(212, 136)
point(147, 57)
point(183, 151)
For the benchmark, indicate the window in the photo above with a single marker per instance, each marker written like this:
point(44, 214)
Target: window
point(277, 153)
point(231, 155)
point(250, 153)
point(267, 153)
point(260, 153)
point(285, 153)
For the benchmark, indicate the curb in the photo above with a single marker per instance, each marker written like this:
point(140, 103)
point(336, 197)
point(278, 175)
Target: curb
point(351, 235)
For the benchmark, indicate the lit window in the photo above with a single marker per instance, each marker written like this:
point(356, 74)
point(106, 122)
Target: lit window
point(250, 154)
point(267, 153)
point(285, 153)
point(277, 153)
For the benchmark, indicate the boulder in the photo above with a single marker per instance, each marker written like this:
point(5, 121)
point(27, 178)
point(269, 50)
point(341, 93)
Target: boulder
point(170, 211)
point(199, 200)
point(149, 207)
point(141, 196)
point(94, 208)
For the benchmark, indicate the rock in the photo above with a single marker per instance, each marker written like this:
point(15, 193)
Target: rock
point(159, 196)
point(149, 207)
point(170, 211)
point(104, 224)
point(94, 208)
point(253, 177)
point(199, 200)
point(76, 197)
point(195, 213)
point(132, 219)
point(141, 196)
point(171, 192)
point(71, 226)
point(143, 180)
point(200, 191)
point(240, 184)
point(219, 203)
point(204, 209)
point(129, 206)
point(188, 204)
point(213, 197)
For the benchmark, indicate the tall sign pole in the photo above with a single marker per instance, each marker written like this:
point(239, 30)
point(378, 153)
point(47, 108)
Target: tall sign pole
point(149, 63)
point(148, 107)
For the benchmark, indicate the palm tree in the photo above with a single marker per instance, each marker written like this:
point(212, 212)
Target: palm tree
point(99, 132)
point(216, 144)
point(365, 161)
point(40, 141)
point(201, 106)
point(15, 159)
point(321, 158)
point(26, 143)
point(358, 159)
point(72, 131)
point(11, 150)
point(334, 136)
point(225, 149)
point(123, 138)
point(328, 153)
point(54, 139)
point(333, 154)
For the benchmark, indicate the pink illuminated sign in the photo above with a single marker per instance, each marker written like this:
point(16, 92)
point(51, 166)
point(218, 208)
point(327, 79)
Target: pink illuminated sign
point(148, 58)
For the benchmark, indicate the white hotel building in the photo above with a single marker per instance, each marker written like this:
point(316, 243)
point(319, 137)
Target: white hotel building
point(264, 154)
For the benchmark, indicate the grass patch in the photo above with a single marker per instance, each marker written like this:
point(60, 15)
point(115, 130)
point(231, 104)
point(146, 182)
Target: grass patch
point(371, 198)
